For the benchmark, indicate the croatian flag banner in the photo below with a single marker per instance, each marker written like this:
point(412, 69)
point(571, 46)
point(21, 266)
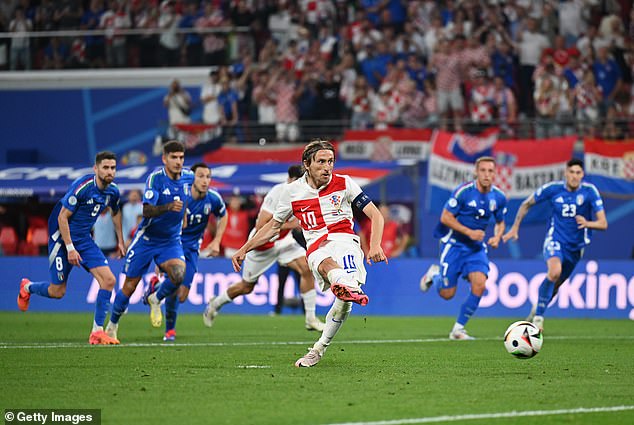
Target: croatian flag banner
point(522, 165)
point(610, 166)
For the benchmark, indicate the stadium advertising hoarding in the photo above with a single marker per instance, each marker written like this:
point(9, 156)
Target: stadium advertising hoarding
point(385, 145)
point(597, 289)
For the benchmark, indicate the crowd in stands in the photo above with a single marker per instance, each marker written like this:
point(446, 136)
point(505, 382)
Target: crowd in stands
point(370, 63)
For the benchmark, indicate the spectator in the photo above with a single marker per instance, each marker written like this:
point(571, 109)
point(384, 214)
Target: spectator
point(238, 226)
point(55, 54)
point(169, 42)
point(328, 102)
point(209, 98)
point(95, 50)
point(608, 77)
point(530, 46)
point(286, 94)
point(193, 41)
point(131, 211)
point(148, 19)
point(112, 20)
point(505, 107)
point(587, 97)
point(361, 105)
point(20, 46)
point(447, 62)
point(178, 103)
point(104, 233)
point(214, 44)
point(228, 106)
point(482, 101)
point(504, 64)
point(546, 103)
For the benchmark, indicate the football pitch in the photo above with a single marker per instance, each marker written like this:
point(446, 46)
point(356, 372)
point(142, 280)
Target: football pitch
point(379, 370)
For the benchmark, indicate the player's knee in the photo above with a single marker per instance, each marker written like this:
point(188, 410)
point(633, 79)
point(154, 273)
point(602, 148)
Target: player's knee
point(108, 283)
point(447, 293)
point(341, 309)
point(177, 274)
point(478, 288)
point(57, 291)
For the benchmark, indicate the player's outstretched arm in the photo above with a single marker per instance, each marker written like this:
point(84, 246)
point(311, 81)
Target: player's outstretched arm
point(513, 232)
point(375, 253)
point(269, 230)
point(64, 230)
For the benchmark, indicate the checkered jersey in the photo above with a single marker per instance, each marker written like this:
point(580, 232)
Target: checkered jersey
point(324, 213)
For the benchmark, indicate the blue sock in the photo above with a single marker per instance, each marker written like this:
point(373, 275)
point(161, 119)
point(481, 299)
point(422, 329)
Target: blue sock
point(102, 305)
point(437, 280)
point(468, 308)
point(166, 289)
point(545, 295)
point(171, 312)
point(39, 288)
point(121, 302)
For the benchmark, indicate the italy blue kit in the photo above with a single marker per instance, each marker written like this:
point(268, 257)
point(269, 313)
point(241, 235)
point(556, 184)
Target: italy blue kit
point(86, 201)
point(460, 255)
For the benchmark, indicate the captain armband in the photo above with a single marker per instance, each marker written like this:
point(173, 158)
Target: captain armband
point(361, 201)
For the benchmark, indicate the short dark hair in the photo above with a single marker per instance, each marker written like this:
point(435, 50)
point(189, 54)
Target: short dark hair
point(295, 171)
point(104, 155)
point(573, 162)
point(198, 165)
point(315, 146)
point(173, 146)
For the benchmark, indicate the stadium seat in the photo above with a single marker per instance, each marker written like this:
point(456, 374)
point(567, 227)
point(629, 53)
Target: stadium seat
point(38, 237)
point(9, 240)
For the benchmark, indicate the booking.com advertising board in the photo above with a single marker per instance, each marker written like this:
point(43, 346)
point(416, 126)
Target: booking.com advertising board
point(597, 289)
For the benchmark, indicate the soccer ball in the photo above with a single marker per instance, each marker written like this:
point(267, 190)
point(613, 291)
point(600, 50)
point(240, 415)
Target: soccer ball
point(523, 339)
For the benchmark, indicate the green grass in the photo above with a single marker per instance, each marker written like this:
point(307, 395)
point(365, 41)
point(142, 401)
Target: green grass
point(204, 379)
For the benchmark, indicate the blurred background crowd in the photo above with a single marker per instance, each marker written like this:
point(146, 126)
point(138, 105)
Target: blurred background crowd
point(567, 65)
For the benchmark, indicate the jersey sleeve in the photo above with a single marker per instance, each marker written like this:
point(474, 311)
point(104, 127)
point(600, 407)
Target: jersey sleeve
point(115, 200)
point(453, 203)
point(269, 203)
point(501, 209)
point(151, 194)
point(352, 189)
point(70, 201)
point(284, 209)
point(217, 204)
point(545, 192)
point(595, 199)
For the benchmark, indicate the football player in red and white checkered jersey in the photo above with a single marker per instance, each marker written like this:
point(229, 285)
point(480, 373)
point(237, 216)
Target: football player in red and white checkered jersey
point(322, 202)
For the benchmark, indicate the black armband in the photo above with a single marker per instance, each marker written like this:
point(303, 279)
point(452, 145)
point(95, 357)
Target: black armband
point(361, 201)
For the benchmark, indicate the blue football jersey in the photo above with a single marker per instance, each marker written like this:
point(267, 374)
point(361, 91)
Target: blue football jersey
point(86, 201)
point(474, 210)
point(198, 211)
point(161, 190)
point(584, 201)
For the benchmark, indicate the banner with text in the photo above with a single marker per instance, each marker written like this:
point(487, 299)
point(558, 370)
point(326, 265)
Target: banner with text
point(610, 166)
point(522, 165)
point(597, 289)
point(385, 145)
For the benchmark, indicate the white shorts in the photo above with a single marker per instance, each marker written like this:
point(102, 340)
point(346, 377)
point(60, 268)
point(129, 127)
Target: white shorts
point(347, 253)
point(257, 262)
point(449, 99)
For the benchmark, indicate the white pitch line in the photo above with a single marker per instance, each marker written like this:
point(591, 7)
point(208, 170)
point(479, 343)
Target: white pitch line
point(511, 414)
point(8, 345)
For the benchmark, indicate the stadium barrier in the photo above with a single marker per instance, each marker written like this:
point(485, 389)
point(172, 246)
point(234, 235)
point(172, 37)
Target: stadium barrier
point(597, 289)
